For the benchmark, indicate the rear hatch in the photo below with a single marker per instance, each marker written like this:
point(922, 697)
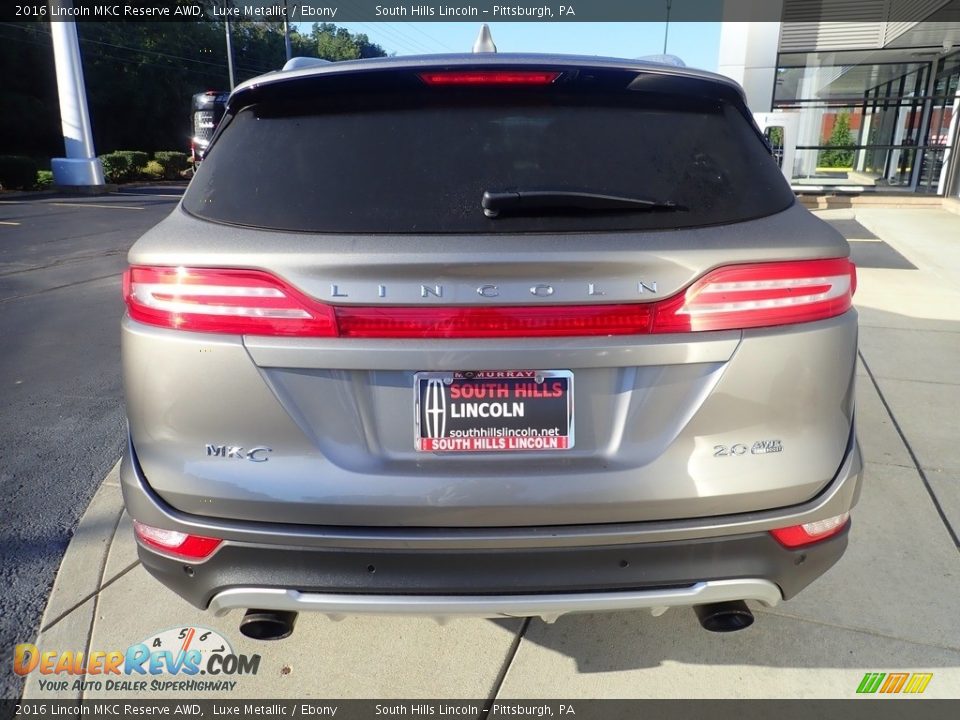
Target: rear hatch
point(637, 323)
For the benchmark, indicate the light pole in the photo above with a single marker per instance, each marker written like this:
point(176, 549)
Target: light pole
point(226, 29)
point(666, 29)
point(286, 30)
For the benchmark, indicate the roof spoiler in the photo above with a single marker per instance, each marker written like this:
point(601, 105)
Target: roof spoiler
point(672, 60)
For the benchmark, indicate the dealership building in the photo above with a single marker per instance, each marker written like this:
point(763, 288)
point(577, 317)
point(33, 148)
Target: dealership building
point(855, 95)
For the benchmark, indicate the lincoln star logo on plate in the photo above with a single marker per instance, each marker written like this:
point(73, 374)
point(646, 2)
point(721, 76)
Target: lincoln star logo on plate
point(435, 413)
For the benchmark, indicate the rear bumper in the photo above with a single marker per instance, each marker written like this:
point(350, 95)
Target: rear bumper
point(538, 571)
point(544, 581)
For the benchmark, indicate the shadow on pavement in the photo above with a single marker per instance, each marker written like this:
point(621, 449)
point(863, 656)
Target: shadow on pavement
point(891, 599)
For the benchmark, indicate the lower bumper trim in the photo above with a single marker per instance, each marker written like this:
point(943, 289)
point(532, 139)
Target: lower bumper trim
point(546, 606)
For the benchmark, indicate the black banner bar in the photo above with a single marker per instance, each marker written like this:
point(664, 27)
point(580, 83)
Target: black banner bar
point(803, 11)
point(873, 708)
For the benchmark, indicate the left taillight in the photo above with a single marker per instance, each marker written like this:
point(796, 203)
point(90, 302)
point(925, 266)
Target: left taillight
point(174, 542)
point(244, 302)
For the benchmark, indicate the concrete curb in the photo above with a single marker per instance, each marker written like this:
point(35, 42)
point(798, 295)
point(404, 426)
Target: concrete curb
point(86, 189)
point(69, 615)
point(827, 201)
point(27, 194)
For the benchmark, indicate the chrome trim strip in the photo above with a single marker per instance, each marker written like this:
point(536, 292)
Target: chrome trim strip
point(480, 354)
point(548, 607)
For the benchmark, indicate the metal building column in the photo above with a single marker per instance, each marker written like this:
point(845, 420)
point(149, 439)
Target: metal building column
point(748, 50)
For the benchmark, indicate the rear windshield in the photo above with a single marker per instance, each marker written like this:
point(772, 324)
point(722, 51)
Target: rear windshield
point(420, 164)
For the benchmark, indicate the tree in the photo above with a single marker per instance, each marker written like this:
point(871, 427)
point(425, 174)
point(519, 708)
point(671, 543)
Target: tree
point(140, 77)
point(333, 43)
point(29, 117)
point(840, 137)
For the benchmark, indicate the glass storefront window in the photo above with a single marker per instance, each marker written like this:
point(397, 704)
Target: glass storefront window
point(880, 125)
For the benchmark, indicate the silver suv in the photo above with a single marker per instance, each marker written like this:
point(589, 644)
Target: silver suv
point(489, 335)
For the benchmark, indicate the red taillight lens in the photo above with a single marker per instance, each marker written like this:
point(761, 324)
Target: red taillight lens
point(243, 302)
point(489, 77)
point(809, 533)
point(760, 295)
point(251, 302)
point(173, 542)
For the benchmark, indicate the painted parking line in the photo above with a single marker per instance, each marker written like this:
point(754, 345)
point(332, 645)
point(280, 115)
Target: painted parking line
point(158, 195)
point(95, 205)
point(5, 222)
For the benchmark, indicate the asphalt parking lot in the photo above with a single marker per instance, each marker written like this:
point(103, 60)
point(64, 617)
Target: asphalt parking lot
point(891, 604)
point(62, 420)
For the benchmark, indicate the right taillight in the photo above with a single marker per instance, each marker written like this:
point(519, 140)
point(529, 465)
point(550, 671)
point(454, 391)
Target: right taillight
point(760, 295)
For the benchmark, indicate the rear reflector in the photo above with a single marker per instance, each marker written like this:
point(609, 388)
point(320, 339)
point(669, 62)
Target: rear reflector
point(252, 302)
point(489, 77)
point(809, 533)
point(488, 322)
point(173, 542)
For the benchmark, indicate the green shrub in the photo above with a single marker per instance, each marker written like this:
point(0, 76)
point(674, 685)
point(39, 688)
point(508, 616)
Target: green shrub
point(137, 160)
point(841, 157)
point(152, 171)
point(17, 172)
point(44, 180)
point(116, 167)
point(173, 163)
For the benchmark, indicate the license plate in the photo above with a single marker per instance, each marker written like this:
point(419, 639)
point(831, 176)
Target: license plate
point(493, 411)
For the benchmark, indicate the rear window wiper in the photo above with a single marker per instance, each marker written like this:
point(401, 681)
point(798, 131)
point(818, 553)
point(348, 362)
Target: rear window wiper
point(531, 202)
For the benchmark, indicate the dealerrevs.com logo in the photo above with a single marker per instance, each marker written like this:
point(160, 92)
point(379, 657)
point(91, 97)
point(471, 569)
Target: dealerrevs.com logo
point(169, 661)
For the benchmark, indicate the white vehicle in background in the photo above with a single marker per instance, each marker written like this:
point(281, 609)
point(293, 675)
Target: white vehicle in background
point(207, 109)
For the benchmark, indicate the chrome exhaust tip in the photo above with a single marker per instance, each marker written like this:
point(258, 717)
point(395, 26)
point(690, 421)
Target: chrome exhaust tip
point(725, 616)
point(268, 624)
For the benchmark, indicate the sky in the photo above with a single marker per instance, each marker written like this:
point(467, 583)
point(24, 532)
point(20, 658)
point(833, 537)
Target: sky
point(696, 43)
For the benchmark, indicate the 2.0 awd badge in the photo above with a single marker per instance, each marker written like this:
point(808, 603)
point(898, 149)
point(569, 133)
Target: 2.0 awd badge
point(760, 447)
